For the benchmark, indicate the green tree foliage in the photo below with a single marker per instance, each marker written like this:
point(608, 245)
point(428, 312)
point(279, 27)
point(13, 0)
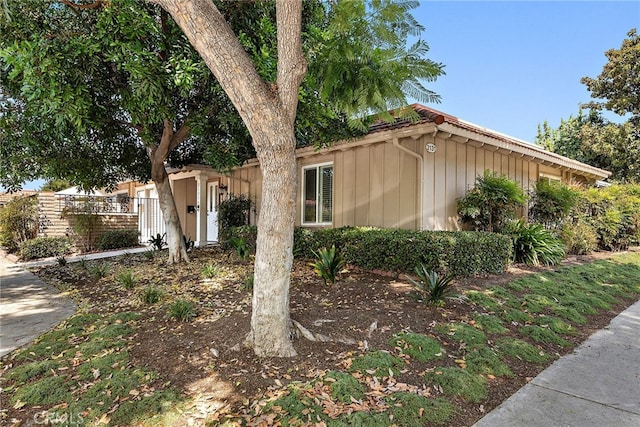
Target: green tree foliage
point(366, 66)
point(18, 222)
point(619, 80)
point(56, 185)
point(594, 140)
point(491, 203)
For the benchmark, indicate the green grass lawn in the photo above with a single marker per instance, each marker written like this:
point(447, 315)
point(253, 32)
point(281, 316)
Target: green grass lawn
point(83, 369)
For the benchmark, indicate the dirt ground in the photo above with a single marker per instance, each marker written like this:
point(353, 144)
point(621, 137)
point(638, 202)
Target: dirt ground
point(205, 357)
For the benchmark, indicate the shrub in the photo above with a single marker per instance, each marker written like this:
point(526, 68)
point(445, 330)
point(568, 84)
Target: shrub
point(18, 222)
point(613, 212)
point(535, 245)
point(84, 223)
point(182, 309)
point(457, 253)
point(580, 238)
point(233, 212)
point(115, 239)
point(248, 233)
point(239, 244)
point(551, 202)
point(44, 247)
point(491, 203)
point(432, 288)
point(127, 279)
point(328, 264)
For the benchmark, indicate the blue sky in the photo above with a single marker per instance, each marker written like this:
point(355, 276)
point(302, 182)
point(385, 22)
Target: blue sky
point(513, 64)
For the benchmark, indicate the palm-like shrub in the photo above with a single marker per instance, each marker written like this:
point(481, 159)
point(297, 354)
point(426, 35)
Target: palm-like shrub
point(432, 287)
point(328, 265)
point(491, 203)
point(552, 202)
point(535, 245)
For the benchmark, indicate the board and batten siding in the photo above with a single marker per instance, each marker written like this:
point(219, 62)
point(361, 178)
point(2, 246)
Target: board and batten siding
point(380, 185)
point(452, 170)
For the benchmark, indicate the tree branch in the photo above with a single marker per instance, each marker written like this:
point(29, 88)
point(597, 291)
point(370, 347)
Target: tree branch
point(96, 4)
point(292, 65)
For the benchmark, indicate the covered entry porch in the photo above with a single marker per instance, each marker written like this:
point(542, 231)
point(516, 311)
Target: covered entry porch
point(198, 191)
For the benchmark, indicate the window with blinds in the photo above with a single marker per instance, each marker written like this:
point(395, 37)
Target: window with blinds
point(317, 197)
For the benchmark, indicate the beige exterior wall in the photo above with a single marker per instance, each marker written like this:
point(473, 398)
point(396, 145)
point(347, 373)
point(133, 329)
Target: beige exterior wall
point(452, 170)
point(378, 184)
point(185, 194)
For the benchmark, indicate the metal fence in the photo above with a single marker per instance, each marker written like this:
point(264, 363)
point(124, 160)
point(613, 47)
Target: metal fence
point(150, 220)
point(97, 204)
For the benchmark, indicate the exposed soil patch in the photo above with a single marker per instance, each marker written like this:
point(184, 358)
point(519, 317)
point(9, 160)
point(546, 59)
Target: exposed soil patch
point(205, 358)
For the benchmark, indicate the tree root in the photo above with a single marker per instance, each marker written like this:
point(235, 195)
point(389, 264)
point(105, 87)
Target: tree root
point(315, 337)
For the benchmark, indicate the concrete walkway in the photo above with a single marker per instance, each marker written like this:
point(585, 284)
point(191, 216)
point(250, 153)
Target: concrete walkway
point(597, 385)
point(28, 307)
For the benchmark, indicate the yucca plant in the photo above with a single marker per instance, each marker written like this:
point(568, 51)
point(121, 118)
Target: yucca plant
point(535, 245)
point(328, 265)
point(157, 242)
point(432, 287)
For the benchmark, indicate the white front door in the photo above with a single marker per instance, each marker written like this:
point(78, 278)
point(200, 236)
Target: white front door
point(212, 211)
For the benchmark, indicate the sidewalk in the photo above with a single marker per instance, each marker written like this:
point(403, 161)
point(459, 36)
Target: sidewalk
point(597, 385)
point(28, 307)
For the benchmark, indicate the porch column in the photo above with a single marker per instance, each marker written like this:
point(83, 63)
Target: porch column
point(201, 212)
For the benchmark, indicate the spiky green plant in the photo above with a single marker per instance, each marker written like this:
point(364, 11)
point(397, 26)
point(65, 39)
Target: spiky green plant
point(210, 271)
point(182, 309)
point(328, 265)
point(535, 245)
point(127, 279)
point(100, 270)
point(240, 246)
point(151, 295)
point(158, 241)
point(432, 287)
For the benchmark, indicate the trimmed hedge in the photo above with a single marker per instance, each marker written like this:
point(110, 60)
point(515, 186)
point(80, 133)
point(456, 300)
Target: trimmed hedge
point(116, 239)
point(44, 247)
point(461, 253)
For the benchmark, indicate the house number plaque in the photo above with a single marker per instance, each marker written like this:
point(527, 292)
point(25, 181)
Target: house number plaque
point(431, 148)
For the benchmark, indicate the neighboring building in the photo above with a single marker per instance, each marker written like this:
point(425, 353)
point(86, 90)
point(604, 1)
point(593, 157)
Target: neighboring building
point(399, 175)
point(6, 197)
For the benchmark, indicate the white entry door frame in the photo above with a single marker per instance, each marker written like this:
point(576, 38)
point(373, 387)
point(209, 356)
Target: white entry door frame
point(212, 211)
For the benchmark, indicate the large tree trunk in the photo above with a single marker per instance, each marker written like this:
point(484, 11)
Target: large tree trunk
point(269, 112)
point(175, 242)
point(157, 155)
